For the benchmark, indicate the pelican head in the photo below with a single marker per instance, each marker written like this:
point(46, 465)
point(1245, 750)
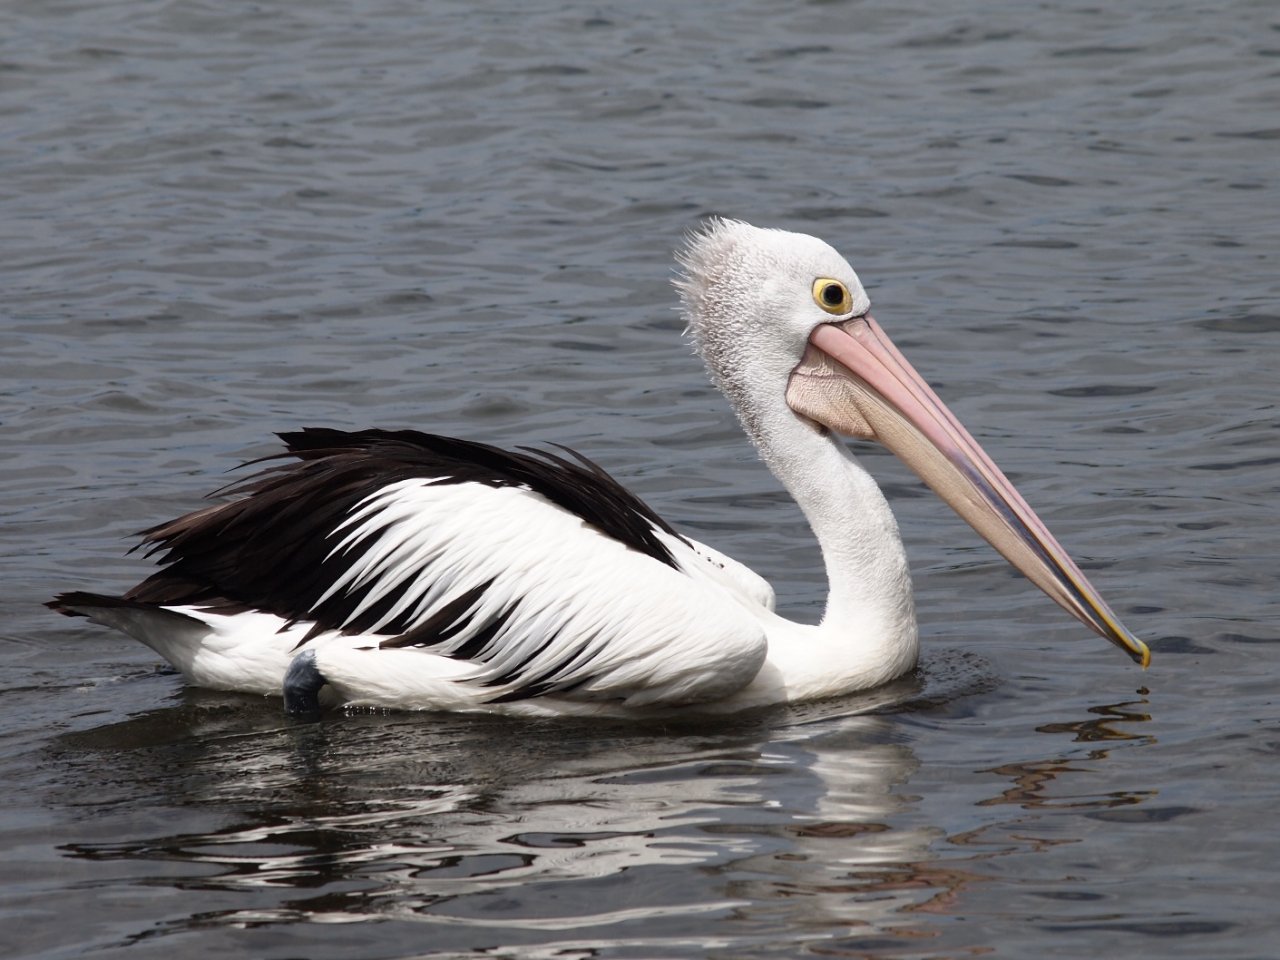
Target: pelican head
point(783, 325)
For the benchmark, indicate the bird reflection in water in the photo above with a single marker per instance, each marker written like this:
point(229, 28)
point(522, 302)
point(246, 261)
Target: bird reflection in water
point(812, 825)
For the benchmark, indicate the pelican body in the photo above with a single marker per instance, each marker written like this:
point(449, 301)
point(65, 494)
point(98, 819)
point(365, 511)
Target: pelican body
point(404, 570)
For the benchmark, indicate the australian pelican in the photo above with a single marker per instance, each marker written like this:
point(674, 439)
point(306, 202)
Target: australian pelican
point(404, 570)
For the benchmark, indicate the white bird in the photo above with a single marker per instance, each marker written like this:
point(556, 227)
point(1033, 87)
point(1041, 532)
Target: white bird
point(404, 570)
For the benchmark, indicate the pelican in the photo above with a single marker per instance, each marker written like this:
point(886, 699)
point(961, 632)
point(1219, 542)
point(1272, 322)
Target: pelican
point(403, 570)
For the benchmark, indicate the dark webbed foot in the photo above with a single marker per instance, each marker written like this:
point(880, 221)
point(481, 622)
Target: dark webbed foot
point(302, 683)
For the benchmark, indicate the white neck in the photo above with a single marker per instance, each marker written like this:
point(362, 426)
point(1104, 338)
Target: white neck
point(868, 632)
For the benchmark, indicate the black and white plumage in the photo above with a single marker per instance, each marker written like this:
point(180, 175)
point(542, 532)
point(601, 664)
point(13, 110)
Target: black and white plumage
point(380, 541)
point(401, 569)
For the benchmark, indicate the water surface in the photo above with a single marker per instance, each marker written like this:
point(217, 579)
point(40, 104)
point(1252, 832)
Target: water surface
point(223, 219)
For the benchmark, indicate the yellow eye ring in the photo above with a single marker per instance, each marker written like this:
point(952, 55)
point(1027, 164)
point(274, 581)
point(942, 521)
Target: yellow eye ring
point(832, 296)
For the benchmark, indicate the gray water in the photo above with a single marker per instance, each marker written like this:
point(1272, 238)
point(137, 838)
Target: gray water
point(221, 219)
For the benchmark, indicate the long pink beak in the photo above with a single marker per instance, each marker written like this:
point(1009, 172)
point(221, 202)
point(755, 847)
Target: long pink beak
point(872, 392)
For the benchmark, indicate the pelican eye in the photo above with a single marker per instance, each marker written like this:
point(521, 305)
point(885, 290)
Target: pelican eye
point(832, 296)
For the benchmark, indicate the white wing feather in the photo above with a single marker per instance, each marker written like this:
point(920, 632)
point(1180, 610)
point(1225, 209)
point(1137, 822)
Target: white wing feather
point(707, 563)
point(572, 612)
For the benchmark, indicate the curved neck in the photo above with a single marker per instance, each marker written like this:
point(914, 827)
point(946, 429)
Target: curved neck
point(868, 630)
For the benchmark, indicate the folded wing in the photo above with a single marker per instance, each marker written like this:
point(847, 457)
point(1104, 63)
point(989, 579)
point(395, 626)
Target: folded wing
point(537, 570)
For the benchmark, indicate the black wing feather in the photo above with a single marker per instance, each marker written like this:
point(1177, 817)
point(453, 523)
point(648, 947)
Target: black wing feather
point(270, 549)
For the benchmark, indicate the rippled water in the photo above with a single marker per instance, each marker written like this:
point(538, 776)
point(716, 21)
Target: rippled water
point(221, 219)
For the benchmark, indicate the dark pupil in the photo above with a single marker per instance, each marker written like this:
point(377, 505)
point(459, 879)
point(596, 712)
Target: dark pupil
point(832, 295)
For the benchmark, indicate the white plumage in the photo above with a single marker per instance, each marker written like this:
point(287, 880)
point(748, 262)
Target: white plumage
point(410, 571)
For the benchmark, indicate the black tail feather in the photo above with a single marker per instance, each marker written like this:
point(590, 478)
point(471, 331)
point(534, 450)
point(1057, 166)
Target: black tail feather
point(71, 603)
point(81, 603)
